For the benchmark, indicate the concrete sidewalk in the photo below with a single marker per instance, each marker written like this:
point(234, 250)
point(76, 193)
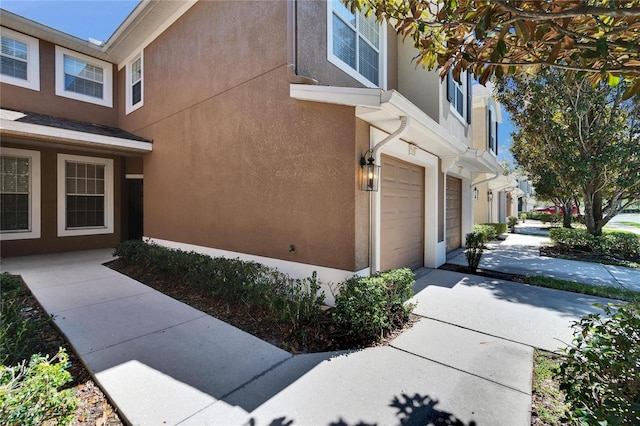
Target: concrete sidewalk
point(160, 361)
point(520, 254)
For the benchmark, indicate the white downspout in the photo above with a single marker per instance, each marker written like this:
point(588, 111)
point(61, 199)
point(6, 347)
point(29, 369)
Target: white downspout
point(374, 220)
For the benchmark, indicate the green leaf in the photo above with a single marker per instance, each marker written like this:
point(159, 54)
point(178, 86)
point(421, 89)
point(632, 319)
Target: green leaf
point(613, 80)
point(501, 48)
point(602, 47)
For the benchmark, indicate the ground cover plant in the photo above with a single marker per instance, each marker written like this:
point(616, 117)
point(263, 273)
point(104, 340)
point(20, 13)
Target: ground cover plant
point(271, 305)
point(42, 382)
point(548, 401)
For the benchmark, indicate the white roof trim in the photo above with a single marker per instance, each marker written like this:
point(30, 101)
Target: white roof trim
point(383, 109)
point(74, 137)
point(502, 182)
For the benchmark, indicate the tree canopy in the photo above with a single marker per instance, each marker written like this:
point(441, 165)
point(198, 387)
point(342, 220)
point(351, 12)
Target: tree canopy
point(598, 37)
point(585, 138)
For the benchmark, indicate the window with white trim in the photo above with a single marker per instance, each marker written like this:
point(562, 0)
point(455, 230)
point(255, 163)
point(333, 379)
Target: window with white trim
point(355, 44)
point(459, 95)
point(19, 194)
point(83, 78)
point(19, 59)
point(85, 195)
point(135, 86)
point(492, 130)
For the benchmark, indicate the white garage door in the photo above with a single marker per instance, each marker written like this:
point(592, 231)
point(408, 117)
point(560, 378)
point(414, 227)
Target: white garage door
point(454, 213)
point(402, 215)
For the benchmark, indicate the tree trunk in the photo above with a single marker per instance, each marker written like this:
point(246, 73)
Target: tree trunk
point(593, 212)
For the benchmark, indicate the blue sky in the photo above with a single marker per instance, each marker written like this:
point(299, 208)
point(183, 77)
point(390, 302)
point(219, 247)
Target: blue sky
point(98, 19)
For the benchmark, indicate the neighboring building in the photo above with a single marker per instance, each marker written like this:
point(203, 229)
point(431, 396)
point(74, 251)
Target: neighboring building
point(248, 130)
point(495, 193)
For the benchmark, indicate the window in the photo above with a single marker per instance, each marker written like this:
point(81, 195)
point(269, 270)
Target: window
point(459, 95)
point(83, 78)
point(492, 130)
point(355, 44)
point(19, 60)
point(134, 95)
point(85, 195)
point(19, 194)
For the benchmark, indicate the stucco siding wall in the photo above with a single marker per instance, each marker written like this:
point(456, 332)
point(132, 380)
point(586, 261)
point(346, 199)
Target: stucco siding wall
point(49, 241)
point(45, 101)
point(420, 86)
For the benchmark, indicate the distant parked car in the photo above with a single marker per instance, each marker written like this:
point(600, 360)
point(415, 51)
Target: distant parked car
point(554, 210)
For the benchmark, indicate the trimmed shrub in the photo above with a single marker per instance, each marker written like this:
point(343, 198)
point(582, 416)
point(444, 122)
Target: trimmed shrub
point(567, 238)
point(487, 232)
point(513, 221)
point(367, 307)
point(293, 300)
point(601, 373)
point(30, 393)
point(474, 242)
point(523, 217)
point(619, 244)
point(500, 228)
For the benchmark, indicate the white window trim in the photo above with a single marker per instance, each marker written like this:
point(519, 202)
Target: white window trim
point(34, 195)
point(107, 92)
point(33, 61)
point(492, 132)
point(109, 205)
point(382, 57)
point(464, 88)
point(129, 107)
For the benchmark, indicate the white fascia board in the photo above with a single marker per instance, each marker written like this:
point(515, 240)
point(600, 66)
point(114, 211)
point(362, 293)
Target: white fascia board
point(394, 101)
point(36, 131)
point(502, 182)
point(350, 96)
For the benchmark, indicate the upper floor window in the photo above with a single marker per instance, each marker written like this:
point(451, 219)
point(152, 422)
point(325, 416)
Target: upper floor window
point(83, 78)
point(459, 95)
point(19, 58)
point(19, 194)
point(134, 95)
point(355, 44)
point(492, 130)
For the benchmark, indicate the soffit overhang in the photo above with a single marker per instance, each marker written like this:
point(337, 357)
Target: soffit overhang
point(48, 130)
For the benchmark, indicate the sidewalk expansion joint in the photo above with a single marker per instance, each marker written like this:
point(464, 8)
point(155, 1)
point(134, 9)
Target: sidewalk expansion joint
point(58, 313)
point(460, 370)
point(239, 387)
point(477, 331)
point(145, 335)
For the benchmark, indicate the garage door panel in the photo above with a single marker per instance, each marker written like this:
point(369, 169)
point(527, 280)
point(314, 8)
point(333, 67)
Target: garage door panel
point(453, 213)
point(402, 220)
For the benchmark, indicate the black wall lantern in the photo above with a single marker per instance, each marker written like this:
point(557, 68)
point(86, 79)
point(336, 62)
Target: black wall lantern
point(475, 192)
point(370, 172)
point(490, 196)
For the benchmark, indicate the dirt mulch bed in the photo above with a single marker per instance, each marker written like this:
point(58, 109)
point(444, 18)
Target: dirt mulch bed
point(586, 256)
point(93, 408)
point(322, 336)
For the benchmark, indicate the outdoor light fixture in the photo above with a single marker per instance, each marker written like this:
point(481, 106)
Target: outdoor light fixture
point(370, 172)
point(490, 196)
point(475, 192)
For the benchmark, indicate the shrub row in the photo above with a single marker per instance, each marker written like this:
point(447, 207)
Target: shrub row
point(296, 301)
point(619, 244)
point(367, 307)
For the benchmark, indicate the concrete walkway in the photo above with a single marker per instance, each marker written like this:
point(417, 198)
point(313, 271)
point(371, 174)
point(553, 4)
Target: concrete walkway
point(468, 360)
point(520, 254)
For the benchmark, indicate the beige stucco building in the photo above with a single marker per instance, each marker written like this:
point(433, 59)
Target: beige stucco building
point(206, 126)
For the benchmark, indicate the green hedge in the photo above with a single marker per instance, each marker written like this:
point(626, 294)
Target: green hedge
point(490, 231)
point(367, 307)
point(619, 244)
point(501, 228)
point(297, 301)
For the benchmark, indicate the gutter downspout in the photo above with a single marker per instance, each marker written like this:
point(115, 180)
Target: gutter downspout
point(292, 46)
point(373, 220)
